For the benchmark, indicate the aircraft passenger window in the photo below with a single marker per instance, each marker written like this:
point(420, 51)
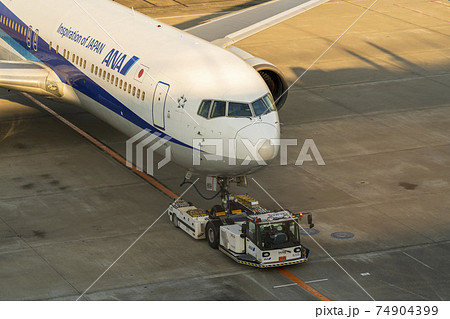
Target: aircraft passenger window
point(218, 109)
point(50, 46)
point(204, 108)
point(143, 96)
point(100, 72)
point(104, 75)
point(112, 79)
point(120, 85)
point(239, 110)
point(68, 55)
point(117, 81)
point(129, 88)
point(125, 86)
point(57, 49)
point(64, 53)
point(73, 58)
point(134, 90)
point(78, 59)
point(96, 70)
point(92, 68)
point(108, 76)
point(35, 40)
point(138, 95)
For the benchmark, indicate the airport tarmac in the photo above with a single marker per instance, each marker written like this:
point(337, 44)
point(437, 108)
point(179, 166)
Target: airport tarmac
point(377, 105)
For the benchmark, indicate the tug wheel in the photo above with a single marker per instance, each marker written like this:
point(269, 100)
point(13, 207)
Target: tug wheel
point(212, 234)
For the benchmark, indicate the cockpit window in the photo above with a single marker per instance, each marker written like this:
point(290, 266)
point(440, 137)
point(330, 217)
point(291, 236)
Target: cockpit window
point(218, 109)
point(270, 102)
point(263, 105)
point(239, 110)
point(212, 109)
point(259, 107)
point(204, 108)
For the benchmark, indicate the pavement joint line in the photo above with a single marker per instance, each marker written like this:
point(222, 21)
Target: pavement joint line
point(106, 149)
point(328, 49)
point(39, 255)
point(420, 262)
point(71, 190)
point(400, 19)
point(137, 239)
point(294, 278)
point(375, 253)
point(420, 12)
point(417, 76)
point(187, 279)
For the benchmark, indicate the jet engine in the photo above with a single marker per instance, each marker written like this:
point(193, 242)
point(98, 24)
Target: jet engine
point(273, 76)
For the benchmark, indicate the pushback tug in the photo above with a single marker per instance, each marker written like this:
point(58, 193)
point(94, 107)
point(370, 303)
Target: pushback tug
point(246, 232)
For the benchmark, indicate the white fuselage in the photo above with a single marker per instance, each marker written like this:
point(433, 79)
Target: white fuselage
point(138, 74)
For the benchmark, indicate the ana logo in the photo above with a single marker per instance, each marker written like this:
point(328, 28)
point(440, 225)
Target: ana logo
point(119, 61)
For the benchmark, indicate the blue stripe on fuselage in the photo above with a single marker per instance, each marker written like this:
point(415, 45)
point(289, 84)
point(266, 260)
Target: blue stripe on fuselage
point(71, 75)
point(129, 65)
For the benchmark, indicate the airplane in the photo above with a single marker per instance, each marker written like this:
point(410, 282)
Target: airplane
point(137, 73)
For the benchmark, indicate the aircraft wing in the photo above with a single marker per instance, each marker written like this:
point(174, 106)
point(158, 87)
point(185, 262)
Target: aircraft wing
point(227, 30)
point(29, 77)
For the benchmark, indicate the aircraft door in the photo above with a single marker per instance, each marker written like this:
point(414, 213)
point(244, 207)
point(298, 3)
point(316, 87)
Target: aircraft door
point(159, 104)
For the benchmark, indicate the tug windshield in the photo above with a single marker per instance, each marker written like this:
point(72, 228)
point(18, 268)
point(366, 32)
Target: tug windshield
point(278, 235)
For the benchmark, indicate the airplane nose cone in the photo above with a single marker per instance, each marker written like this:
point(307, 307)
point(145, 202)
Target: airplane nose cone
point(257, 138)
point(267, 151)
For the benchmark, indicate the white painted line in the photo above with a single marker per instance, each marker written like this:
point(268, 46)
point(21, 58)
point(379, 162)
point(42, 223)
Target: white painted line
point(294, 284)
point(365, 274)
point(313, 281)
point(420, 262)
point(287, 285)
